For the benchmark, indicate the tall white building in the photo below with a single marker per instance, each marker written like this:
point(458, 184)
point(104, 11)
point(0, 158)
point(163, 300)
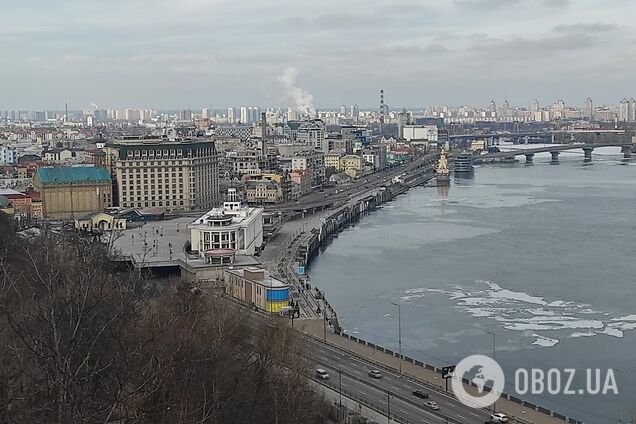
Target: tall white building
point(231, 115)
point(255, 114)
point(624, 110)
point(245, 115)
point(589, 109)
point(206, 113)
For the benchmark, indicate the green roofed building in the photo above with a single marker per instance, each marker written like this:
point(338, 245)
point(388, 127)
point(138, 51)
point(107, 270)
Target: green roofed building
point(69, 192)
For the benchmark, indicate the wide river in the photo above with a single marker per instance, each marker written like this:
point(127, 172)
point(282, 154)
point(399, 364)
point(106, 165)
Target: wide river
point(543, 256)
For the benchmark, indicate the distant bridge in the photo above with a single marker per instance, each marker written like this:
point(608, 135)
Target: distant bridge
point(555, 150)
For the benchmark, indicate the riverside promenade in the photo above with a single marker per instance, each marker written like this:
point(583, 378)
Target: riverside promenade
point(518, 413)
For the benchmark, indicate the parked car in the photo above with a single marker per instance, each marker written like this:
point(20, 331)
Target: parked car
point(375, 374)
point(432, 404)
point(498, 418)
point(420, 394)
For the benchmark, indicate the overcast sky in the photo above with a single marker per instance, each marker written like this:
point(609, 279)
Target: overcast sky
point(197, 53)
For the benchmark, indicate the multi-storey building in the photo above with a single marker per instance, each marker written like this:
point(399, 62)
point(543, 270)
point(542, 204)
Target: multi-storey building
point(232, 226)
point(313, 162)
point(332, 160)
point(8, 155)
point(242, 132)
point(178, 175)
point(68, 192)
point(312, 133)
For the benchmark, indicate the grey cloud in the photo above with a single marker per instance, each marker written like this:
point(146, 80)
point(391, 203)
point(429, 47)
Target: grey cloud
point(556, 3)
point(529, 49)
point(486, 4)
point(586, 27)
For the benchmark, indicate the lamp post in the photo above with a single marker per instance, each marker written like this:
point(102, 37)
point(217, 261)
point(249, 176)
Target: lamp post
point(324, 321)
point(494, 351)
point(388, 407)
point(399, 334)
point(340, 385)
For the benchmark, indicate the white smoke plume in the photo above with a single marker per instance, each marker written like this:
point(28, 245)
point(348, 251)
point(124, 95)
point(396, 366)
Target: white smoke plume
point(303, 100)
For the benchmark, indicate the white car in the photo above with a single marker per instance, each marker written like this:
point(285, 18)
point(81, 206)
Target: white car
point(375, 374)
point(322, 374)
point(433, 405)
point(498, 418)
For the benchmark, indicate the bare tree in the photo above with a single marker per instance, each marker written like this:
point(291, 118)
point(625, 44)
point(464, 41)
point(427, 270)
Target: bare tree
point(85, 342)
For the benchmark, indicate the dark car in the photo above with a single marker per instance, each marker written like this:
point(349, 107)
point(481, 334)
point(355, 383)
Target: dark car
point(420, 394)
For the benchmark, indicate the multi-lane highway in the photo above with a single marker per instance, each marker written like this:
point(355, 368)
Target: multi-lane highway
point(342, 192)
point(392, 392)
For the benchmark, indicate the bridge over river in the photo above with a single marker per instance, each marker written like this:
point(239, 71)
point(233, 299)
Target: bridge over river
point(554, 150)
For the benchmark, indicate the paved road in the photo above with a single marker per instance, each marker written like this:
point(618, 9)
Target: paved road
point(343, 192)
point(403, 404)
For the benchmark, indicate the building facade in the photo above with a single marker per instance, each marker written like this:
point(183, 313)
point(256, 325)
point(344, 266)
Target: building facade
point(232, 226)
point(312, 133)
point(68, 192)
point(256, 286)
point(177, 175)
point(313, 163)
point(8, 155)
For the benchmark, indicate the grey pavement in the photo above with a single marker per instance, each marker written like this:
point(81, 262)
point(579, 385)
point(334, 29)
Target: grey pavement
point(356, 359)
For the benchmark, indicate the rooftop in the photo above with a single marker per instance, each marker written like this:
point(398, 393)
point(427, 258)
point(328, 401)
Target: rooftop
point(267, 280)
point(74, 174)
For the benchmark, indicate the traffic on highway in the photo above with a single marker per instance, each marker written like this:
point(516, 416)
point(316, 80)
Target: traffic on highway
point(388, 392)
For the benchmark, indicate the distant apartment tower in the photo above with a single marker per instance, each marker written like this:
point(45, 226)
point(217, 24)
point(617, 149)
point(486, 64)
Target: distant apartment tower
point(177, 175)
point(589, 109)
point(245, 115)
point(185, 115)
point(231, 115)
point(627, 110)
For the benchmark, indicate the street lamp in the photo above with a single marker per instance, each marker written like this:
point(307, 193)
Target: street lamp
point(324, 321)
point(399, 333)
point(388, 407)
point(494, 351)
point(340, 384)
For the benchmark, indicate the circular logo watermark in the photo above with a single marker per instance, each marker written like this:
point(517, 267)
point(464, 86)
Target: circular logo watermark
point(482, 371)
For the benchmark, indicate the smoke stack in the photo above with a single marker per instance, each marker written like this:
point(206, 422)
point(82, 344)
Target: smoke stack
point(381, 110)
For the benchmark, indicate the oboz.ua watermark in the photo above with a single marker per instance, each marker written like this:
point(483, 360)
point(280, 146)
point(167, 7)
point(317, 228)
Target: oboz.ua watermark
point(489, 381)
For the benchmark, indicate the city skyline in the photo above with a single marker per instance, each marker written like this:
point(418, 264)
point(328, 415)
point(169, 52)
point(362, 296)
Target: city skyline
point(195, 53)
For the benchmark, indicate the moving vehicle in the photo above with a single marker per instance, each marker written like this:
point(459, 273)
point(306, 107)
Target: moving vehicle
point(498, 418)
point(420, 394)
point(322, 374)
point(375, 374)
point(432, 404)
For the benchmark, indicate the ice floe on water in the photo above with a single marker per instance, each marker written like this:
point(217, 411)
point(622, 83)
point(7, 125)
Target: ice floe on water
point(545, 320)
point(544, 341)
